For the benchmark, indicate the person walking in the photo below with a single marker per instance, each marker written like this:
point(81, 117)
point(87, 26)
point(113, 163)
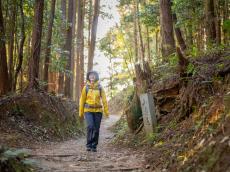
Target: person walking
point(93, 104)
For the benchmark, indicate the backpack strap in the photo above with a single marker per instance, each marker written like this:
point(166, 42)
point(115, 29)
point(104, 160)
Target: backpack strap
point(87, 89)
point(99, 88)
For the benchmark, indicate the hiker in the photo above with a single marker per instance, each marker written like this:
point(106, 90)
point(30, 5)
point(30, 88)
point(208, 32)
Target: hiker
point(92, 97)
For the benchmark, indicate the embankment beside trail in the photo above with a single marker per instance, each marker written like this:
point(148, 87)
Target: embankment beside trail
point(36, 117)
point(30, 119)
point(193, 118)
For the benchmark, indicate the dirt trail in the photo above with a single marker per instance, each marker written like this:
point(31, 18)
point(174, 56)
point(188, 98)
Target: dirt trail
point(72, 156)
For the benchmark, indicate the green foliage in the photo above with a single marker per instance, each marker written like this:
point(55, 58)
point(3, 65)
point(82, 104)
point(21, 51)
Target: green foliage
point(198, 124)
point(136, 111)
point(208, 158)
point(150, 15)
point(129, 95)
point(15, 160)
point(117, 48)
point(105, 45)
point(173, 59)
point(191, 69)
point(129, 18)
point(30, 162)
point(16, 110)
point(214, 48)
point(194, 51)
point(173, 124)
point(121, 129)
point(124, 2)
point(220, 66)
point(226, 26)
point(190, 12)
point(152, 137)
point(21, 153)
point(70, 127)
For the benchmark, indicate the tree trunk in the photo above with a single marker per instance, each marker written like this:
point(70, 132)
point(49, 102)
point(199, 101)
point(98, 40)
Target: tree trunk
point(21, 79)
point(4, 84)
point(90, 4)
point(135, 35)
point(139, 32)
point(93, 34)
point(147, 39)
point(182, 64)
point(168, 42)
point(89, 21)
point(199, 37)
point(217, 21)
point(69, 42)
point(226, 36)
point(22, 41)
point(79, 28)
point(48, 43)
point(179, 36)
point(80, 49)
point(73, 50)
point(157, 43)
point(61, 74)
point(36, 44)
point(77, 93)
point(148, 44)
point(190, 35)
point(210, 21)
point(12, 24)
point(143, 78)
point(52, 81)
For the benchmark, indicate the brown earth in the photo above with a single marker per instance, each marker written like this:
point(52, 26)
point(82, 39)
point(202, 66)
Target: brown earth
point(72, 156)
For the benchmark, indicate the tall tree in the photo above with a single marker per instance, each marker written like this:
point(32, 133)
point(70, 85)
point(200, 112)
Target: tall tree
point(90, 6)
point(157, 42)
point(48, 43)
point(69, 43)
point(12, 29)
point(210, 21)
point(4, 84)
point(61, 74)
point(36, 44)
point(142, 50)
point(178, 33)
point(147, 38)
point(73, 50)
point(136, 49)
point(148, 44)
point(217, 21)
point(93, 34)
point(21, 44)
point(166, 22)
point(80, 49)
point(226, 36)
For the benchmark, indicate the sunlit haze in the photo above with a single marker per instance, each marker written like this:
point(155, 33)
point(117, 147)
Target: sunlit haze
point(100, 61)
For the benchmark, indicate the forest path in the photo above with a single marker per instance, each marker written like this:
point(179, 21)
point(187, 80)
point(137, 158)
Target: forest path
point(72, 156)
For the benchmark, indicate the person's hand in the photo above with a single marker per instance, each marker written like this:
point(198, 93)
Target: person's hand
point(106, 116)
point(81, 118)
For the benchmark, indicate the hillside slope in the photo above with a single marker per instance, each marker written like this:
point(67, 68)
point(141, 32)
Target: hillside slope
point(193, 113)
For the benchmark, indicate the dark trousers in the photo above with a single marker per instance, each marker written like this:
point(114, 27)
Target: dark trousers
point(93, 120)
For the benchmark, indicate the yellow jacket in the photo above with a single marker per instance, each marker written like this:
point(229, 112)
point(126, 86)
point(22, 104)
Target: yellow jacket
point(93, 98)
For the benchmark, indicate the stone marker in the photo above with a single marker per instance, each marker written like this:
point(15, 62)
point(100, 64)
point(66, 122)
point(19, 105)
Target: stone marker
point(148, 112)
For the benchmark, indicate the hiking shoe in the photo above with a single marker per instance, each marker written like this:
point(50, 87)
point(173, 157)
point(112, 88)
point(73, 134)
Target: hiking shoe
point(88, 149)
point(94, 150)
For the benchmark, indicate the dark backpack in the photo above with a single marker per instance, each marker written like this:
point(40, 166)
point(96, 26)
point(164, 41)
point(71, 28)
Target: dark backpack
point(87, 89)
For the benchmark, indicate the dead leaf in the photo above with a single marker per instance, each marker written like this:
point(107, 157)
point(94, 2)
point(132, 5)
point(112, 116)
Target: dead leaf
point(224, 139)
